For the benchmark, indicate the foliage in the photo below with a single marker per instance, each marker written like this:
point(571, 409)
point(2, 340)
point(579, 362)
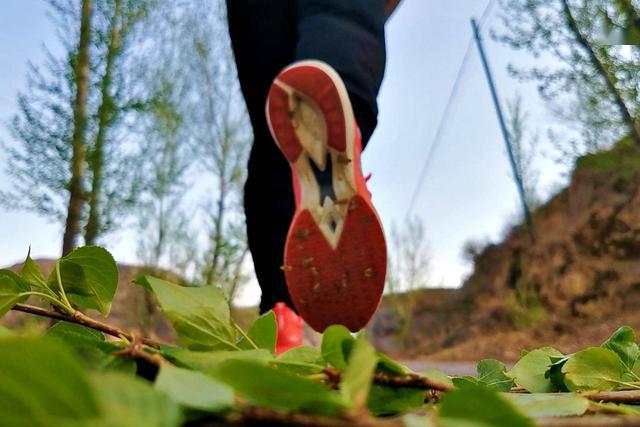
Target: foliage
point(197, 143)
point(407, 272)
point(523, 305)
point(590, 86)
point(75, 375)
point(622, 159)
point(46, 127)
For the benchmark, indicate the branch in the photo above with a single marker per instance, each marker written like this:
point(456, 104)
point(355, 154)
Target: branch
point(135, 351)
point(262, 416)
point(624, 421)
point(605, 72)
point(630, 396)
point(404, 381)
point(84, 320)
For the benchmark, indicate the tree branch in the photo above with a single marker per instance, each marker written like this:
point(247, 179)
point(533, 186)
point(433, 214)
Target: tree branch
point(262, 416)
point(630, 396)
point(84, 320)
point(604, 71)
point(404, 381)
point(624, 421)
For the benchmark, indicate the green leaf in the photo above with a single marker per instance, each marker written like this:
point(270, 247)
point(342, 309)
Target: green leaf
point(75, 335)
point(611, 408)
point(635, 370)
point(194, 390)
point(279, 390)
point(90, 346)
point(207, 361)
point(549, 405)
point(555, 374)
point(263, 333)
point(301, 360)
point(623, 343)
point(199, 315)
point(593, 369)
point(411, 420)
point(385, 400)
point(42, 384)
point(32, 274)
point(466, 381)
point(480, 407)
point(357, 377)
point(492, 374)
point(531, 372)
point(389, 366)
point(437, 375)
point(11, 286)
point(337, 342)
point(89, 277)
point(131, 402)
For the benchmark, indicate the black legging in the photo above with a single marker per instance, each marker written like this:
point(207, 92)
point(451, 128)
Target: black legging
point(268, 35)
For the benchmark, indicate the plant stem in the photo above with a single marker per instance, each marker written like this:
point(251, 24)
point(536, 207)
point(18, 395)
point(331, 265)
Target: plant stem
point(84, 320)
point(623, 421)
point(244, 334)
point(52, 299)
point(263, 416)
point(631, 396)
point(62, 293)
point(400, 381)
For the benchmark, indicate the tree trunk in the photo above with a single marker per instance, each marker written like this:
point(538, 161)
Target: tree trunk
point(105, 118)
point(604, 70)
point(76, 192)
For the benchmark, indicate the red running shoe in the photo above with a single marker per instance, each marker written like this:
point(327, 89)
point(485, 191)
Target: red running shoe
point(335, 255)
point(289, 328)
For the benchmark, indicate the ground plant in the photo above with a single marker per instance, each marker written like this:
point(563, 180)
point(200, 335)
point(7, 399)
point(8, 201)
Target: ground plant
point(85, 372)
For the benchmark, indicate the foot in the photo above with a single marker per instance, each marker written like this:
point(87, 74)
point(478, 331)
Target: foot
point(335, 255)
point(289, 328)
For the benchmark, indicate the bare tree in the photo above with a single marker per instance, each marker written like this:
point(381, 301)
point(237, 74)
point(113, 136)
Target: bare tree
point(524, 145)
point(408, 271)
point(208, 147)
point(219, 130)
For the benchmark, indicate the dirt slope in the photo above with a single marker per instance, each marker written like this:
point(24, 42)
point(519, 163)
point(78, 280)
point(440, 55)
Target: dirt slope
point(579, 280)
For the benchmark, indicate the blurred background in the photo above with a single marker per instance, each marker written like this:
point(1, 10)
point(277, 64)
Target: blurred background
point(151, 163)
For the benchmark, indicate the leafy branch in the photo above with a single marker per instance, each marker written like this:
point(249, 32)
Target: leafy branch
point(221, 374)
point(81, 319)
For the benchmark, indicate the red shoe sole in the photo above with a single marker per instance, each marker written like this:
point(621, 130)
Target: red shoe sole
point(335, 255)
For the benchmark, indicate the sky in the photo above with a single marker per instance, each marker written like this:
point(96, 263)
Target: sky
point(467, 192)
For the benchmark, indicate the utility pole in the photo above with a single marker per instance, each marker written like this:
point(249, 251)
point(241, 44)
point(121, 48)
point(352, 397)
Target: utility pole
point(503, 127)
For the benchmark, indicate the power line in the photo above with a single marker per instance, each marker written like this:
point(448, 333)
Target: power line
point(446, 113)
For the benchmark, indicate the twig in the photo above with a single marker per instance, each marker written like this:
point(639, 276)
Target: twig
point(135, 351)
point(84, 320)
point(263, 416)
point(624, 421)
point(405, 381)
point(630, 396)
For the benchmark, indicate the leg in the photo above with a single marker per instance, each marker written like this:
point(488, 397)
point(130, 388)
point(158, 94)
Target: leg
point(349, 36)
point(263, 35)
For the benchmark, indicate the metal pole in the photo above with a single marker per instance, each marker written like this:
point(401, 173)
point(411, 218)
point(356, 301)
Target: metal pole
point(503, 127)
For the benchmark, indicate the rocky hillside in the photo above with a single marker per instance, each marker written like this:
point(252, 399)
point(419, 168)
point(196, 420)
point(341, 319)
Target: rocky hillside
point(570, 287)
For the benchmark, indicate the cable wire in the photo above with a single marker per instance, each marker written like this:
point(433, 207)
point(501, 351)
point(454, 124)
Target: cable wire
point(445, 114)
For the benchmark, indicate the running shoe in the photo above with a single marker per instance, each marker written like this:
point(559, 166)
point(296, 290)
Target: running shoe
point(335, 255)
